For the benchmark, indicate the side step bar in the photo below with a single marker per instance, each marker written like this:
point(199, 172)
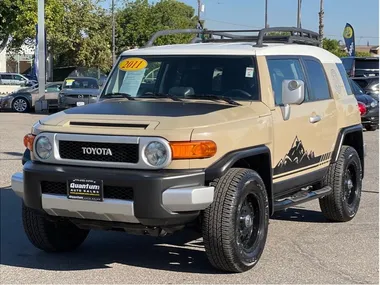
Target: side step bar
point(301, 197)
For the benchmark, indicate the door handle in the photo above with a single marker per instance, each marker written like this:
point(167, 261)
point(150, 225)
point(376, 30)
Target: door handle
point(315, 119)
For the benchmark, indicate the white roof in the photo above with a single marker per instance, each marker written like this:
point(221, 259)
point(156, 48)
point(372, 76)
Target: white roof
point(237, 48)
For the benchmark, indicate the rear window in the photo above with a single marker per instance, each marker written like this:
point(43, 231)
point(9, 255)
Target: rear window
point(71, 83)
point(367, 64)
point(344, 76)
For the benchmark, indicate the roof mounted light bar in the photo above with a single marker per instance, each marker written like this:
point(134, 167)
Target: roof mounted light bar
point(295, 35)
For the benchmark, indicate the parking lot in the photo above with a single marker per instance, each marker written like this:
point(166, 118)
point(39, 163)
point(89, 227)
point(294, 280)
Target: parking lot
point(301, 247)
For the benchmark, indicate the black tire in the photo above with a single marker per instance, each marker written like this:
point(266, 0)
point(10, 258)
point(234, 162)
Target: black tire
point(60, 236)
point(345, 178)
point(371, 128)
point(20, 105)
point(223, 218)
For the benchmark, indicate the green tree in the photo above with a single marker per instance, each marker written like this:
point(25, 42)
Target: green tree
point(75, 30)
point(139, 20)
point(333, 46)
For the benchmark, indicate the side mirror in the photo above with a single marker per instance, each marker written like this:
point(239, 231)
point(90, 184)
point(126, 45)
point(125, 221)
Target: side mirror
point(293, 93)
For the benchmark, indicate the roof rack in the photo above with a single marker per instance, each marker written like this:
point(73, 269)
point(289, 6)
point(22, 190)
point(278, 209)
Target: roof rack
point(296, 36)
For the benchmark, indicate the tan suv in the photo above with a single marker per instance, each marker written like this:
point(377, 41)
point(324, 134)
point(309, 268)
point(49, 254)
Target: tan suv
point(231, 129)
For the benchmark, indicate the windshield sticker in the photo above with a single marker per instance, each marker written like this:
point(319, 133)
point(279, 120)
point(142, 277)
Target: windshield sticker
point(69, 82)
point(249, 72)
point(131, 82)
point(133, 64)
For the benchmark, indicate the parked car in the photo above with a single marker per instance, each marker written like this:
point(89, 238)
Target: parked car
point(24, 99)
point(9, 78)
point(361, 66)
point(78, 91)
point(369, 107)
point(370, 85)
point(189, 153)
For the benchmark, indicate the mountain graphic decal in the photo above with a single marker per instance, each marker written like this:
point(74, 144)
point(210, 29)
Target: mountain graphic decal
point(297, 157)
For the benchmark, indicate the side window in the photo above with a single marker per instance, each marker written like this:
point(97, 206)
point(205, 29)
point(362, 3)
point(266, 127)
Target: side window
point(18, 77)
point(344, 76)
point(284, 69)
point(318, 81)
point(53, 88)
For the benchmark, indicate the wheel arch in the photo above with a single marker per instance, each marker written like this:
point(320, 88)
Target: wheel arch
point(26, 97)
point(257, 158)
point(350, 136)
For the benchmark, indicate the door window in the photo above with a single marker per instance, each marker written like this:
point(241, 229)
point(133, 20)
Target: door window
point(318, 81)
point(284, 69)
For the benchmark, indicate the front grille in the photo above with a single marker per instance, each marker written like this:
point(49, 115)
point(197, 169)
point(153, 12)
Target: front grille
point(121, 152)
point(110, 192)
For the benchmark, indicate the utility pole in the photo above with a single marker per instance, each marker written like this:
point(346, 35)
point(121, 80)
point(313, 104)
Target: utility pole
point(299, 14)
point(113, 32)
point(266, 14)
point(321, 26)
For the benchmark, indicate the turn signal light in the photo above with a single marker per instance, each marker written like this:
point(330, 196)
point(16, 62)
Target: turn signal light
point(28, 141)
point(193, 149)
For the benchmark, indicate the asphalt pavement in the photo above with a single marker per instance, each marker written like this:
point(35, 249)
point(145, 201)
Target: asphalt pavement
point(302, 248)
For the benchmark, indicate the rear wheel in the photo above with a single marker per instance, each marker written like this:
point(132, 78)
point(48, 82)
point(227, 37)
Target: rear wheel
point(59, 236)
point(345, 178)
point(235, 225)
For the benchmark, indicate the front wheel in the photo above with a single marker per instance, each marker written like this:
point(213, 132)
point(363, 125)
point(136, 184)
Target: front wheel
point(59, 236)
point(235, 225)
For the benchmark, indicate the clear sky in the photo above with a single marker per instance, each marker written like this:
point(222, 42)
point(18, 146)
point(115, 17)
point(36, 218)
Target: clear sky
point(363, 15)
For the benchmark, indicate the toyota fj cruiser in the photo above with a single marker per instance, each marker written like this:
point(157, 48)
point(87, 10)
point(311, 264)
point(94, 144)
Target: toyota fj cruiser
point(231, 129)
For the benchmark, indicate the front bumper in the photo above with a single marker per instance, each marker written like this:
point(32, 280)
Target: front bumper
point(160, 198)
point(70, 102)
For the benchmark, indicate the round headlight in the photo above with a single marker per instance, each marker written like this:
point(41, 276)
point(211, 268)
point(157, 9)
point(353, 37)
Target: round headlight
point(156, 153)
point(44, 148)
point(373, 104)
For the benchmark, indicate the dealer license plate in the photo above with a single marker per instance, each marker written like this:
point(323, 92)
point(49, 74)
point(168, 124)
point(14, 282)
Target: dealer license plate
point(85, 189)
point(80, 103)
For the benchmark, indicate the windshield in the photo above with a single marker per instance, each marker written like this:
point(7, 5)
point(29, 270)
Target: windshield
point(71, 83)
point(184, 77)
point(356, 88)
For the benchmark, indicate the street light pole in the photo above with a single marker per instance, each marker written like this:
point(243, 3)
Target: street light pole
point(266, 14)
point(41, 47)
point(113, 32)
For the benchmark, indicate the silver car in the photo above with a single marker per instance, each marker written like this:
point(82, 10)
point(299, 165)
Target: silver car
point(9, 78)
point(24, 99)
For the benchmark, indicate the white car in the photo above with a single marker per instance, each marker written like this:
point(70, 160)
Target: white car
point(9, 78)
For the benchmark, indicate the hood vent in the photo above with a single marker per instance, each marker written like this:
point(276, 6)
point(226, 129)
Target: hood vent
point(111, 125)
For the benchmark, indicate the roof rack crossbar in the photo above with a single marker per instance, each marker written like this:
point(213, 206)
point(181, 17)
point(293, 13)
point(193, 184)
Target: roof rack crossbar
point(297, 35)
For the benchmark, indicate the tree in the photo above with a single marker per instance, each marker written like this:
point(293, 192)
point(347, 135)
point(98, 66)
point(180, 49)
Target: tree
point(139, 20)
point(74, 30)
point(333, 46)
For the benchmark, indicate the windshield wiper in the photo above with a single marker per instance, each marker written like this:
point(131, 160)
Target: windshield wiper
point(159, 95)
point(215, 97)
point(118, 95)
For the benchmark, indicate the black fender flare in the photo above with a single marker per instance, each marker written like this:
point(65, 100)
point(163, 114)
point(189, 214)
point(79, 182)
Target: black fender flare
point(221, 166)
point(340, 139)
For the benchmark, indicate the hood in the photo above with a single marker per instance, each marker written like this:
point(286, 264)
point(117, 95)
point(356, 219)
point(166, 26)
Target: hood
point(157, 115)
point(366, 99)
